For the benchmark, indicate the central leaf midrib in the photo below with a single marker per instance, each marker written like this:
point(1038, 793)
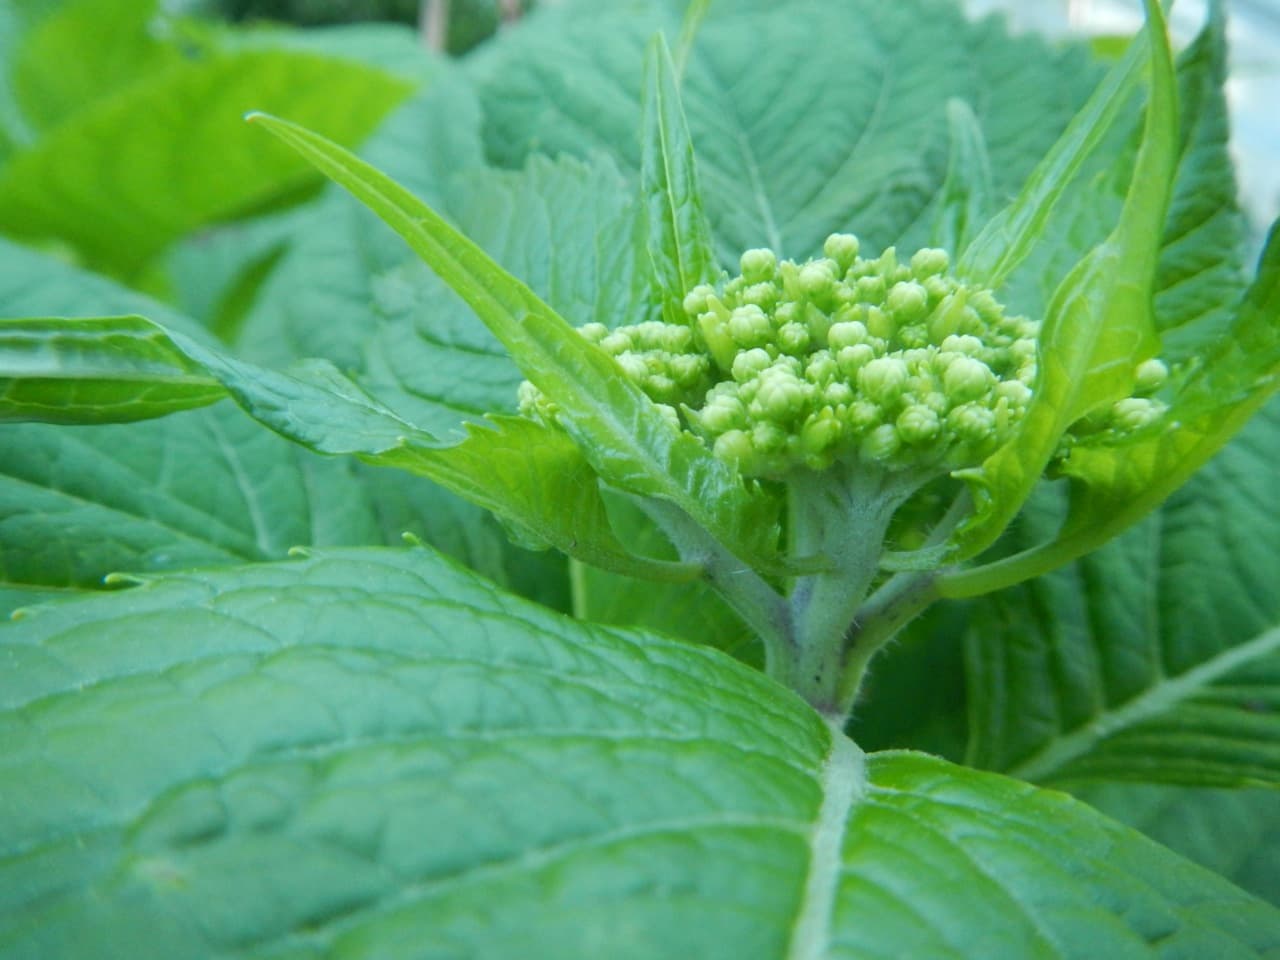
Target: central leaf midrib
point(843, 781)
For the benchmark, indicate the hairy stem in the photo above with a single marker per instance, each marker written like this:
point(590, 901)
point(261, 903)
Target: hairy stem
point(759, 605)
point(842, 513)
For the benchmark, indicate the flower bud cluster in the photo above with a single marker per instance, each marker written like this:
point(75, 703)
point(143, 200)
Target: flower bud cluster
point(1133, 413)
point(792, 365)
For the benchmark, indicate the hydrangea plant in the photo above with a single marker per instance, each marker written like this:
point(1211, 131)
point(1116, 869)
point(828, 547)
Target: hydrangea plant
point(821, 442)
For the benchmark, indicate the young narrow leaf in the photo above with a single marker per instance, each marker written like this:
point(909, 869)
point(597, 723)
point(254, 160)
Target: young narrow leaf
point(437, 752)
point(694, 14)
point(96, 370)
point(1011, 235)
point(1099, 323)
point(677, 235)
point(622, 433)
point(967, 189)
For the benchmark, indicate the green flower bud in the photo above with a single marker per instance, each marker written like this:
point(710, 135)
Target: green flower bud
point(793, 338)
point(722, 414)
point(846, 334)
point(972, 423)
point(879, 324)
point(918, 424)
point(1150, 376)
point(1017, 393)
point(749, 364)
point(735, 447)
point(688, 369)
point(758, 264)
point(782, 395)
point(817, 278)
point(929, 261)
point(966, 379)
point(883, 379)
point(670, 414)
point(616, 343)
point(1134, 413)
point(763, 295)
point(870, 289)
point(852, 359)
point(695, 301)
point(634, 366)
point(907, 301)
point(593, 332)
point(881, 443)
point(749, 326)
point(863, 416)
point(842, 248)
point(838, 392)
point(821, 368)
point(768, 437)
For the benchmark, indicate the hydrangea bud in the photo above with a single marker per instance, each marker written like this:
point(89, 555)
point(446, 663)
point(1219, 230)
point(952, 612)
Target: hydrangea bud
point(1150, 376)
point(842, 248)
point(966, 379)
point(918, 424)
point(883, 379)
point(908, 301)
point(758, 264)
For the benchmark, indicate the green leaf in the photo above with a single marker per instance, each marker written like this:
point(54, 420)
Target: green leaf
point(1155, 659)
point(966, 192)
point(677, 235)
point(789, 149)
point(103, 370)
point(1235, 833)
point(129, 174)
point(1115, 484)
point(621, 431)
point(86, 50)
point(1012, 234)
point(1099, 323)
point(365, 752)
point(204, 488)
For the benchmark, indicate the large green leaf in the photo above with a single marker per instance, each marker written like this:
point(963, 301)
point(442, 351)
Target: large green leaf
point(88, 49)
point(202, 488)
point(791, 146)
point(1156, 658)
point(1233, 832)
point(129, 174)
point(375, 754)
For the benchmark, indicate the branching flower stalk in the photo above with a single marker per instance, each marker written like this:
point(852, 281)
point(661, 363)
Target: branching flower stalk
point(849, 384)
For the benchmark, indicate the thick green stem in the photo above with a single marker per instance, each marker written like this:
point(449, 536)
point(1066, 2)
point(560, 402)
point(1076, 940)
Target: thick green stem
point(899, 601)
point(842, 513)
